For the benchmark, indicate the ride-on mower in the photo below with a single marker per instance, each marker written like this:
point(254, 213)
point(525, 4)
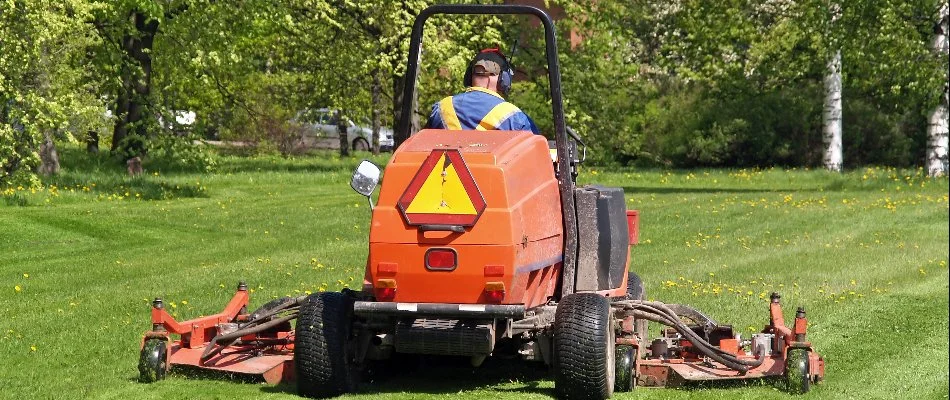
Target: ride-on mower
point(479, 247)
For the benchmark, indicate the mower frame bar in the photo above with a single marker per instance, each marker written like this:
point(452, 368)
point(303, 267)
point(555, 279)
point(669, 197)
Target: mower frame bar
point(442, 310)
point(566, 182)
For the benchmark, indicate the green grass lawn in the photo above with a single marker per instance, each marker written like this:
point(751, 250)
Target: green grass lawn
point(865, 252)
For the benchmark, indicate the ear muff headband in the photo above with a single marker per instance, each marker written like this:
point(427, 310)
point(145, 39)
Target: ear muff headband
point(494, 55)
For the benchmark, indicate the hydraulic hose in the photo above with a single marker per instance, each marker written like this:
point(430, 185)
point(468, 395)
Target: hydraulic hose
point(219, 342)
point(661, 313)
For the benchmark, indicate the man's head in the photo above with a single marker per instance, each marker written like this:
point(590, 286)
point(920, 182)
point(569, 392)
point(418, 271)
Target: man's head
point(491, 70)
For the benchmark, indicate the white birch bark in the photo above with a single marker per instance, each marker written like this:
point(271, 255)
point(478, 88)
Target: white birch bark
point(831, 118)
point(937, 130)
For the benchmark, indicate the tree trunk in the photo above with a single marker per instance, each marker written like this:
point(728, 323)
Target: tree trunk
point(342, 128)
point(831, 119)
point(937, 131)
point(376, 94)
point(92, 142)
point(49, 159)
point(131, 129)
point(399, 83)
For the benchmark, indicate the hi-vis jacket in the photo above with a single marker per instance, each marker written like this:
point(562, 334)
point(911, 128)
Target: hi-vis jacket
point(479, 109)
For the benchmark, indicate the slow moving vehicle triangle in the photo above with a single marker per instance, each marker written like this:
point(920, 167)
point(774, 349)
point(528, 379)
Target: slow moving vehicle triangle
point(443, 191)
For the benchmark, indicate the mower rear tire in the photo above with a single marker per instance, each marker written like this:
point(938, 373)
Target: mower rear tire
point(797, 377)
point(323, 346)
point(584, 343)
point(635, 291)
point(153, 361)
point(626, 362)
point(634, 286)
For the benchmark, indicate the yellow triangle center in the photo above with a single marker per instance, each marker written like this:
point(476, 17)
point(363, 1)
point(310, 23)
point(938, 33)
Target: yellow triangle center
point(442, 193)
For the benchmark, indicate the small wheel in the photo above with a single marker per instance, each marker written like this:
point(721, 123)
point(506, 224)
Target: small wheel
point(626, 361)
point(323, 348)
point(360, 144)
point(584, 341)
point(153, 361)
point(797, 377)
point(635, 291)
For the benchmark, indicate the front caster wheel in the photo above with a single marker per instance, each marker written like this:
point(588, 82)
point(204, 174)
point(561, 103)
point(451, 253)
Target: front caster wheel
point(797, 377)
point(153, 361)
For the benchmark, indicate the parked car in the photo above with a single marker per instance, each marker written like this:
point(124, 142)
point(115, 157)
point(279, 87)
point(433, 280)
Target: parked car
point(322, 130)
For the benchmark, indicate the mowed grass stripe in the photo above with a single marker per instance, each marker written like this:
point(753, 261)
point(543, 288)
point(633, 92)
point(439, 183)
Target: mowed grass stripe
point(288, 226)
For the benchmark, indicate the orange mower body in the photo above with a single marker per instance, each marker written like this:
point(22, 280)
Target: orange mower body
point(512, 250)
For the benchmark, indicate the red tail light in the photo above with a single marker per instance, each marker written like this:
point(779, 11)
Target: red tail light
point(385, 289)
point(494, 292)
point(385, 294)
point(441, 259)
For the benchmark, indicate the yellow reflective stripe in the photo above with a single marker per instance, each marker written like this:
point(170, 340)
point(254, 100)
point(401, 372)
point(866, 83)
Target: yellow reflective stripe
point(449, 117)
point(483, 90)
point(497, 114)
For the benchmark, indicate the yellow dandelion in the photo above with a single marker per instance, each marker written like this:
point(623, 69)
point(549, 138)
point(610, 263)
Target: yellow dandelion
point(17, 288)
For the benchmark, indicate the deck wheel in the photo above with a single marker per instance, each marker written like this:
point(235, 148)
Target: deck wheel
point(626, 361)
point(797, 378)
point(153, 361)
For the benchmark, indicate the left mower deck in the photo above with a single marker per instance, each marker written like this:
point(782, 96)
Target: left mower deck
point(233, 341)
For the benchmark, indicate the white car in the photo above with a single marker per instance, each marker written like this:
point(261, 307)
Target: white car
point(322, 124)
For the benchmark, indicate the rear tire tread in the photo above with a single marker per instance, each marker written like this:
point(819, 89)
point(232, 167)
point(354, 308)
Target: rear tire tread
point(320, 357)
point(581, 343)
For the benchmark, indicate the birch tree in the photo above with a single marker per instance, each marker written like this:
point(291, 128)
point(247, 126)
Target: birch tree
point(938, 125)
point(831, 117)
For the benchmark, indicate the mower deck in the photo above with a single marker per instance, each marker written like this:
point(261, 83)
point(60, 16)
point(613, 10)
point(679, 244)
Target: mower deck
point(275, 365)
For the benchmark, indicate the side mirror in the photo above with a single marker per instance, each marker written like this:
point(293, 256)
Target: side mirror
point(365, 179)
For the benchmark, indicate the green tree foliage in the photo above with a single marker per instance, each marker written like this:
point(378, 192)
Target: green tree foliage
point(739, 82)
point(44, 90)
point(676, 83)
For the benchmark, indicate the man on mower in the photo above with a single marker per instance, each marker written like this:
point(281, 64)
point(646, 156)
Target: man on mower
point(481, 106)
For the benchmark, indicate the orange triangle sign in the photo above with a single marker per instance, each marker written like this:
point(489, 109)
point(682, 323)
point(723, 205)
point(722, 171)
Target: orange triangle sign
point(443, 191)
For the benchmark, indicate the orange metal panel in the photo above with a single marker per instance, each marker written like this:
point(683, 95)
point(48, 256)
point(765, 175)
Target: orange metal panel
point(519, 233)
point(512, 170)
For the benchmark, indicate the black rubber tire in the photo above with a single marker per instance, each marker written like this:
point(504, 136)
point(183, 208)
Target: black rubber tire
point(626, 361)
point(634, 286)
point(153, 361)
point(323, 346)
point(269, 306)
point(797, 377)
point(584, 347)
point(635, 291)
point(360, 144)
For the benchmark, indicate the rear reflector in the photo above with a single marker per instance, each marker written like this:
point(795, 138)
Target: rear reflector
point(441, 259)
point(494, 270)
point(386, 268)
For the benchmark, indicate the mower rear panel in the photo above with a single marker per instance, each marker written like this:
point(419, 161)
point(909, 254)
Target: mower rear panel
point(514, 245)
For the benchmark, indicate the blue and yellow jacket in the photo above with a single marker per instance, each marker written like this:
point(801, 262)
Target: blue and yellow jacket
point(479, 109)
